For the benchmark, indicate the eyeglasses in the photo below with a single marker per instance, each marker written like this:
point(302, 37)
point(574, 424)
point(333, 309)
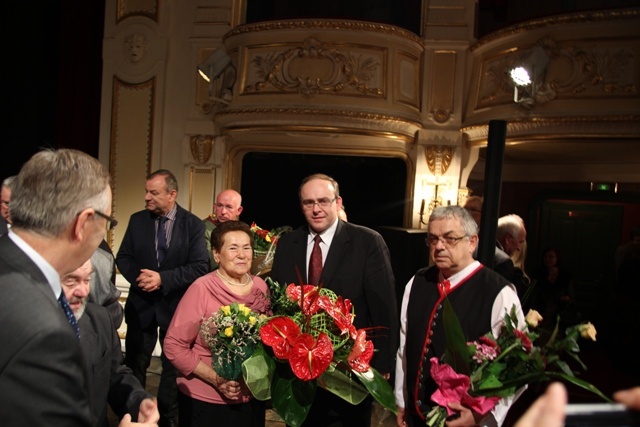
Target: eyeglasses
point(448, 241)
point(111, 221)
point(307, 205)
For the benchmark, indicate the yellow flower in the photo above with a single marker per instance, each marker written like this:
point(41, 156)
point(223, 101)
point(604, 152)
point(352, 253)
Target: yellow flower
point(533, 318)
point(244, 309)
point(587, 330)
point(267, 238)
point(252, 320)
point(226, 310)
point(228, 332)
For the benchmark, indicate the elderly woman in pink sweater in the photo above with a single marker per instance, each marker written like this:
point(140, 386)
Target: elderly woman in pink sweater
point(205, 398)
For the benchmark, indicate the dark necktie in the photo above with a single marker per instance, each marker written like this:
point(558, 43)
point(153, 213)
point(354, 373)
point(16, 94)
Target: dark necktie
point(315, 262)
point(62, 300)
point(161, 234)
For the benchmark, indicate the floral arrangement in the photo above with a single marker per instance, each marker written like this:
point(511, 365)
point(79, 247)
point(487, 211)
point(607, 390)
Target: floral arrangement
point(311, 341)
point(479, 373)
point(232, 334)
point(263, 239)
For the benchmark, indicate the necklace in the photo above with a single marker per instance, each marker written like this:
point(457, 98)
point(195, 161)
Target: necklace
point(230, 283)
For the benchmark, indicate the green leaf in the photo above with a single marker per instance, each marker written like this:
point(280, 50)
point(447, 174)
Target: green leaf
point(291, 397)
point(257, 372)
point(581, 383)
point(456, 343)
point(379, 388)
point(342, 385)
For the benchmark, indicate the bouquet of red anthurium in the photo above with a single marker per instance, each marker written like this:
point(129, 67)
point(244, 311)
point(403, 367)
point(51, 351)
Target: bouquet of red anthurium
point(479, 373)
point(311, 341)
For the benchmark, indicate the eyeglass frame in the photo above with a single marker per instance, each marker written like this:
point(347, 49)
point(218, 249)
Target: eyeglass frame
point(111, 220)
point(444, 239)
point(308, 205)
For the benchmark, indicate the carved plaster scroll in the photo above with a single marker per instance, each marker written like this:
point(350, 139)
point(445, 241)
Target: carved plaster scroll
point(314, 68)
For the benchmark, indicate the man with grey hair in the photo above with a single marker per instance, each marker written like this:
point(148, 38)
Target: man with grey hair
point(61, 209)
point(479, 297)
point(5, 199)
point(511, 234)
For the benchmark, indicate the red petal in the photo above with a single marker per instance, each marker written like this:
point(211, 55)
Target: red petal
point(279, 333)
point(309, 358)
point(361, 353)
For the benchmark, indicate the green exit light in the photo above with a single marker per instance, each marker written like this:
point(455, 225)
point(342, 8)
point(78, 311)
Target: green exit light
point(604, 186)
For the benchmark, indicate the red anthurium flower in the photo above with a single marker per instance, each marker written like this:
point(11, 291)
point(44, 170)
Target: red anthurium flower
point(280, 333)
point(309, 358)
point(311, 299)
point(340, 311)
point(361, 353)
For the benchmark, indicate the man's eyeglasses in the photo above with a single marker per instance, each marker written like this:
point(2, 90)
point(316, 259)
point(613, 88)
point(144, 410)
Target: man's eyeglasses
point(111, 221)
point(448, 241)
point(307, 205)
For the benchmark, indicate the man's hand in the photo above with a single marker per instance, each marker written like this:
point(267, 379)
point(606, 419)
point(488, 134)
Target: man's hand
point(148, 412)
point(126, 422)
point(149, 280)
point(548, 410)
point(467, 416)
point(400, 419)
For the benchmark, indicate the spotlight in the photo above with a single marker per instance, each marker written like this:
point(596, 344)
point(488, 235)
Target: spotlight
point(528, 76)
point(215, 65)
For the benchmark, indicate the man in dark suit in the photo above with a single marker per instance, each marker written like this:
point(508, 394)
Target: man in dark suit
point(160, 266)
point(109, 380)
point(355, 265)
point(60, 207)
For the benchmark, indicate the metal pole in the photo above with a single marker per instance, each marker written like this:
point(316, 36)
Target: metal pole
point(492, 188)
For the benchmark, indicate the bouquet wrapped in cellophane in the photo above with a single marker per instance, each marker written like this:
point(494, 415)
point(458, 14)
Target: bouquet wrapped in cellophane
point(232, 334)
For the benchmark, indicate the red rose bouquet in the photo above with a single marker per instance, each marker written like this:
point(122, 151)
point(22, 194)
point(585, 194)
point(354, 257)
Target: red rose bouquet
point(311, 341)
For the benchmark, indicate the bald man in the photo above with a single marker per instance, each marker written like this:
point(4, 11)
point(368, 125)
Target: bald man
point(228, 207)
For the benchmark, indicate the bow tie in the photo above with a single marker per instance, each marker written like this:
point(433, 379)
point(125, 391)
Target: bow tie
point(444, 287)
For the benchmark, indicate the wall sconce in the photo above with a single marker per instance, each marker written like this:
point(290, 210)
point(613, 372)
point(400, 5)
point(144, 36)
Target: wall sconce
point(439, 159)
point(528, 76)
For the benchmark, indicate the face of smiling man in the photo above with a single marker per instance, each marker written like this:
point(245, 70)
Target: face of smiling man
point(76, 287)
point(319, 204)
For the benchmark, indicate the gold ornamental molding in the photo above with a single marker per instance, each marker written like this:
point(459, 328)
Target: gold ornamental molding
point(345, 71)
point(610, 127)
point(439, 158)
point(130, 8)
point(311, 117)
point(574, 18)
point(201, 147)
point(319, 24)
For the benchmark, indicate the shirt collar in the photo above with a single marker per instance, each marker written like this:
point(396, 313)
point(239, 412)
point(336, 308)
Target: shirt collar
point(47, 269)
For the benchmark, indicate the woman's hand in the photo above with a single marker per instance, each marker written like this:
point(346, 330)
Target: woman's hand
point(230, 389)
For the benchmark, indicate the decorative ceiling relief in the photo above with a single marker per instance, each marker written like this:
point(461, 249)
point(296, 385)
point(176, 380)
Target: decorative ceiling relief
point(315, 68)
